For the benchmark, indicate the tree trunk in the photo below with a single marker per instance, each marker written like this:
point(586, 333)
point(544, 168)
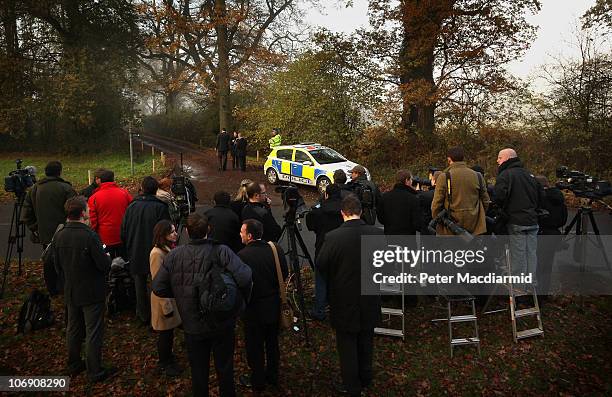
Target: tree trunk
point(171, 101)
point(223, 72)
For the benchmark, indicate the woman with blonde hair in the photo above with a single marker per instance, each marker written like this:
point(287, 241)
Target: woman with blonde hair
point(164, 313)
point(241, 198)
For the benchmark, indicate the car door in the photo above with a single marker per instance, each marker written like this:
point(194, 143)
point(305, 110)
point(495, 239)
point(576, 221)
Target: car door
point(284, 158)
point(302, 168)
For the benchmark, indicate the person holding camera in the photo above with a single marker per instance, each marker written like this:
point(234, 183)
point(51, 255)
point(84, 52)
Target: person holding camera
point(366, 191)
point(106, 209)
point(460, 191)
point(224, 223)
point(353, 315)
point(140, 218)
point(550, 226)
point(223, 145)
point(261, 316)
point(322, 219)
point(164, 312)
point(519, 196)
point(180, 277)
point(258, 207)
point(426, 198)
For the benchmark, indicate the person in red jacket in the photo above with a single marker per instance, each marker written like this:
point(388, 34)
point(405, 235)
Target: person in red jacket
point(106, 209)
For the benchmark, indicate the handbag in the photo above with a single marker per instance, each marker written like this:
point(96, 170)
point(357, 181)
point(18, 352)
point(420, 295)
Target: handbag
point(286, 312)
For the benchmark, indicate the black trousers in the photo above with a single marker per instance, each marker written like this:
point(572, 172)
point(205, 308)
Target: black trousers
point(85, 323)
point(116, 250)
point(143, 297)
point(222, 160)
point(263, 353)
point(198, 351)
point(234, 160)
point(242, 162)
point(355, 350)
point(165, 342)
point(547, 247)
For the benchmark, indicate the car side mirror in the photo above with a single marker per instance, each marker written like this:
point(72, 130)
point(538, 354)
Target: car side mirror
point(306, 162)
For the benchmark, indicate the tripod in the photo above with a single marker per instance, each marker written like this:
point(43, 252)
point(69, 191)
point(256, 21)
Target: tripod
point(15, 239)
point(581, 222)
point(293, 238)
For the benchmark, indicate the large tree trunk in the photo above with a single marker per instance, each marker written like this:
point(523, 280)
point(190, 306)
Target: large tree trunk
point(223, 72)
point(421, 27)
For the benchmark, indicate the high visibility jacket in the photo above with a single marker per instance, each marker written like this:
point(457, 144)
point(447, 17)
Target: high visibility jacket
point(275, 141)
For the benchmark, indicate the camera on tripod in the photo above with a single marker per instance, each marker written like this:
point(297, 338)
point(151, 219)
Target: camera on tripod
point(445, 219)
point(185, 194)
point(418, 181)
point(582, 185)
point(293, 201)
point(19, 180)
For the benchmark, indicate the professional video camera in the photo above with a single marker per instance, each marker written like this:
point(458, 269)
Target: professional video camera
point(185, 194)
point(19, 180)
point(292, 200)
point(444, 218)
point(583, 185)
point(416, 180)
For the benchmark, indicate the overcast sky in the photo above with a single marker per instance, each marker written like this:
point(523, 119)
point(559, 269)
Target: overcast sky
point(555, 20)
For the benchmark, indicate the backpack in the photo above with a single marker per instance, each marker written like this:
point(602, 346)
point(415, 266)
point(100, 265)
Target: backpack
point(217, 292)
point(35, 313)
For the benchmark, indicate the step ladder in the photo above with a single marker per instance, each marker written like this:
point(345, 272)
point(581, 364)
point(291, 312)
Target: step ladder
point(389, 312)
point(523, 313)
point(464, 318)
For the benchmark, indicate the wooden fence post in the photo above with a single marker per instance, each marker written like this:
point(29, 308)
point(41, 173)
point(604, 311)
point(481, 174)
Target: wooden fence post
point(162, 159)
point(153, 165)
point(89, 177)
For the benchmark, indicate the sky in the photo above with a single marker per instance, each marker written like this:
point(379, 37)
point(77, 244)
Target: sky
point(556, 21)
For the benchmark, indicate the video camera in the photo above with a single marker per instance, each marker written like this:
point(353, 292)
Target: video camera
point(418, 181)
point(19, 180)
point(185, 194)
point(293, 201)
point(582, 185)
point(444, 218)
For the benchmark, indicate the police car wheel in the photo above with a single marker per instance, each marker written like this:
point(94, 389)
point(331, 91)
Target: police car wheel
point(323, 183)
point(272, 176)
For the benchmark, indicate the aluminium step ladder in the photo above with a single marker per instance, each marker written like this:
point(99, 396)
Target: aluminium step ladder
point(389, 312)
point(464, 318)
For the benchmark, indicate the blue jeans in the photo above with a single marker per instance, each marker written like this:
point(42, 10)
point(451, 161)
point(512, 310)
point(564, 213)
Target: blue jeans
point(523, 242)
point(320, 295)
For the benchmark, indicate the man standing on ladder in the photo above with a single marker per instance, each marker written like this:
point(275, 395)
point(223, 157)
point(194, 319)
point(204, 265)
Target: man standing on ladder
point(276, 138)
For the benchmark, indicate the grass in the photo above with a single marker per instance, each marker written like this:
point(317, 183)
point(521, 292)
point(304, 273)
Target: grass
point(76, 167)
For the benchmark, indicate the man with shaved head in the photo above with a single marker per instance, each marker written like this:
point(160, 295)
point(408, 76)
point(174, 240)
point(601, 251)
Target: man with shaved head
point(518, 195)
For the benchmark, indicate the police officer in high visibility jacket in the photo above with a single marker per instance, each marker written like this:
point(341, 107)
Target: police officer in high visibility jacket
point(276, 138)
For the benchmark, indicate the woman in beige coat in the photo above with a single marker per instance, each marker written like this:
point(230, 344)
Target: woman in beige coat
point(164, 313)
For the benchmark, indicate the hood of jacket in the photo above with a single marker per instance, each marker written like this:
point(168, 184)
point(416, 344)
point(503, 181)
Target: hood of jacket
point(405, 188)
point(510, 163)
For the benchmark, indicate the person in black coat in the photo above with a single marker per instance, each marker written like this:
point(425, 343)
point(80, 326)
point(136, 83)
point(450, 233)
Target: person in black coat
point(554, 203)
point(321, 220)
point(77, 251)
point(261, 317)
point(426, 198)
point(258, 208)
point(224, 223)
point(353, 315)
point(340, 180)
point(399, 209)
point(182, 268)
point(140, 218)
point(241, 151)
point(223, 145)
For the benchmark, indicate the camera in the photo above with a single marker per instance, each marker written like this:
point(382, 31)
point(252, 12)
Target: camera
point(582, 184)
point(418, 181)
point(19, 180)
point(185, 194)
point(444, 218)
point(292, 200)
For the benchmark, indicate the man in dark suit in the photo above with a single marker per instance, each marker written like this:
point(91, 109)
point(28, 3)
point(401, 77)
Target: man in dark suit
point(262, 313)
point(241, 151)
point(399, 209)
point(225, 225)
point(78, 252)
point(258, 208)
point(352, 314)
point(224, 142)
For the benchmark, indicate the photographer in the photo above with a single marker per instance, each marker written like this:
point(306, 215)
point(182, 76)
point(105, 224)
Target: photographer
point(258, 208)
point(321, 220)
point(399, 209)
point(340, 181)
point(224, 223)
point(554, 203)
point(366, 191)
point(461, 191)
point(519, 195)
point(426, 198)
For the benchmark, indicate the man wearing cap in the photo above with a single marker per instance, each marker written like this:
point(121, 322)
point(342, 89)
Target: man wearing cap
point(367, 192)
point(276, 138)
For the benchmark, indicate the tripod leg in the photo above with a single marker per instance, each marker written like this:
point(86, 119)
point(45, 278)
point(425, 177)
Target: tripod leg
point(569, 227)
point(9, 248)
point(298, 277)
point(304, 249)
point(598, 237)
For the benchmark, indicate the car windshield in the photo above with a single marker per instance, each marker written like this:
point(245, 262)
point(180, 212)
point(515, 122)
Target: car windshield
point(326, 156)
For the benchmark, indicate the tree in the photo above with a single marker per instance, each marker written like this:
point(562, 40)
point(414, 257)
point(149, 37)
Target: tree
point(432, 50)
point(599, 14)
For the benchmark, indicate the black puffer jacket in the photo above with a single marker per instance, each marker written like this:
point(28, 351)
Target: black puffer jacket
point(518, 193)
point(137, 230)
point(182, 270)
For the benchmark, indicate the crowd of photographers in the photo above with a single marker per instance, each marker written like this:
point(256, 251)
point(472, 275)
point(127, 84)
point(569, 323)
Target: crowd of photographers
point(178, 286)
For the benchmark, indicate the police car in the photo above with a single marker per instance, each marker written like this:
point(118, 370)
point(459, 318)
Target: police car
point(307, 164)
